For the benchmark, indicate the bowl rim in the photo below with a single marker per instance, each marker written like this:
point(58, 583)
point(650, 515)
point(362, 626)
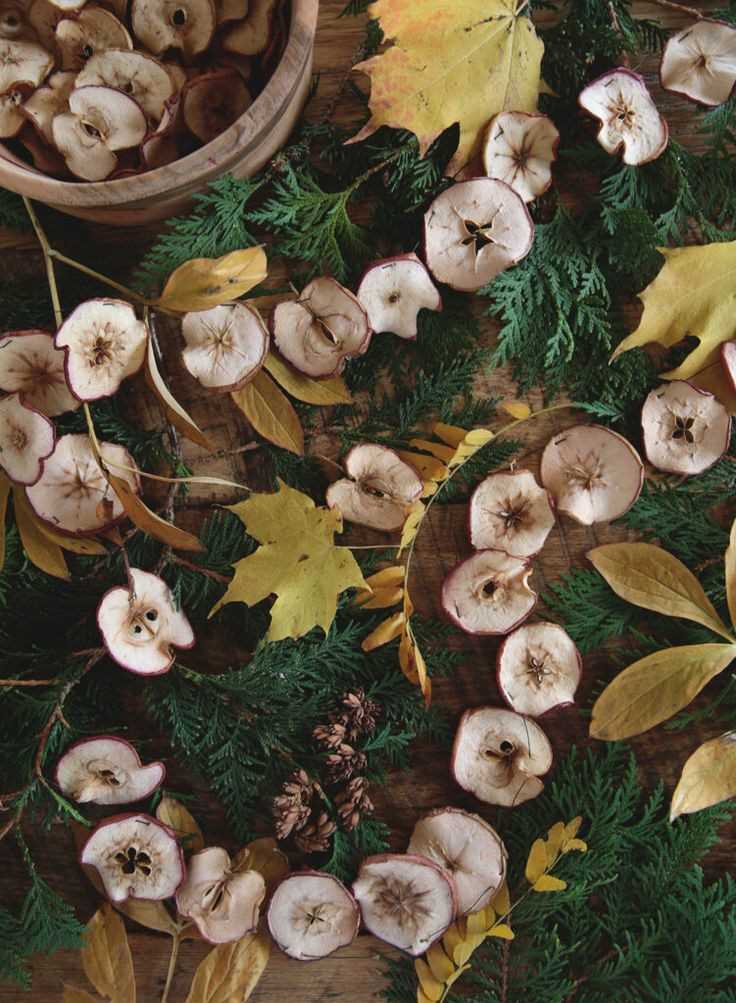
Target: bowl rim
point(215, 157)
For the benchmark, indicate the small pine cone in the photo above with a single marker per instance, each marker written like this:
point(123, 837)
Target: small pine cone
point(344, 762)
point(359, 714)
point(315, 837)
point(291, 808)
point(352, 802)
point(329, 735)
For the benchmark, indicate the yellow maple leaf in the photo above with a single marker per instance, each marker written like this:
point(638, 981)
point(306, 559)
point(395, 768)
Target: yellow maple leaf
point(692, 294)
point(452, 61)
point(298, 561)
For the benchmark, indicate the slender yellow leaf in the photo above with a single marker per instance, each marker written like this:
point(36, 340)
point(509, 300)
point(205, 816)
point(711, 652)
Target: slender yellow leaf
point(422, 996)
point(393, 575)
point(656, 687)
point(650, 577)
point(73, 994)
point(438, 449)
point(573, 827)
point(537, 861)
point(149, 913)
point(4, 495)
point(456, 975)
point(264, 856)
point(298, 562)
point(549, 883)
point(452, 937)
point(106, 956)
point(442, 967)
point(502, 900)
point(730, 561)
point(575, 844)
point(271, 413)
point(86, 545)
point(473, 441)
point(327, 392)
point(517, 409)
point(230, 972)
point(411, 525)
point(451, 435)
point(476, 922)
point(555, 838)
point(691, 295)
point(379, 598)
point(39, 549)
point(708, 776)
point(173, 813)
point(428, 467)
point(503, 930)
point(206, 282)
point(387, 630)
point(432, 988)
point(142, 517)
point(176, 414)
point(414, 666)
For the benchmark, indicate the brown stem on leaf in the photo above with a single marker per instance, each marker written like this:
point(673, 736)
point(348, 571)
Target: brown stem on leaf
point(177, 559)
point(27, 682)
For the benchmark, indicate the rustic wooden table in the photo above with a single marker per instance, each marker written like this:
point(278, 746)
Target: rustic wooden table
point(353, 975)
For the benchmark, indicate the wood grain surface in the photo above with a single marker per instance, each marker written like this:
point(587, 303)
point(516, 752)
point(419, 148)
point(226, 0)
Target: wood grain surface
point(352, 975)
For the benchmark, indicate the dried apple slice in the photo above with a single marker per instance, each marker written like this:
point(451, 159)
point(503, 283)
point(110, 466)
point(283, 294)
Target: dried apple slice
point(136, 857)
point(699, 62)
point(187, 25)
point(225, 346)
point(106, 770)
point(394, 290)
point(468, 848)
point(520, 149)
point(686, 430)
point(212, 101)
point(43, 16)
point(137, 74)
point(22, 64)
point(538, 668)
point(488, 593)
point(32, 366)
point(26, 440)
point(140, 624)
point(72, 494)
point(593, 474)
point(251, 35)
point(312, 914)
point(44, 157)
point(511, 512)
point(100, 122)
point(92, 31)
point(320, 330)
point(499, 756)
point(11, 114)
point(379, 489)
point(67, 5)
point(105, 343)
point(475, 230)
point(13, 24)
point(223, 903)
point(48, 101)
point(406, 900)
point(628, 116)
point(161, 146)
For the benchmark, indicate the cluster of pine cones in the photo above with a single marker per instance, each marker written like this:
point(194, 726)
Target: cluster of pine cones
point(299, 810)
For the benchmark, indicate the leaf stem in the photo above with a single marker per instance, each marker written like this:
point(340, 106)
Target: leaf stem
point(47, 257)
point(175, 945)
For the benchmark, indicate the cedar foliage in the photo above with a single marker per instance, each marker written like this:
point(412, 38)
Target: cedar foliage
point(638, 921)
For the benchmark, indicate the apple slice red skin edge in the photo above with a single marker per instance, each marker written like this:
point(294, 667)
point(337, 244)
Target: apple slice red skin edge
point(121, 741)
point(321, 874)
point(550, 710)
point(482, 633)
point(408, 256)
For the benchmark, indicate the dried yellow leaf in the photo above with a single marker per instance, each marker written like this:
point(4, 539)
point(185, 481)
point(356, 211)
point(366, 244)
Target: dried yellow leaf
point(429, 467)
point(656, 687)
point(142, 517)
point(388, 630)
point(555, 838)
point(264, 856)
point(549, 883)
point(537, 861)
point(708, 776)
point(298, 561)
point(325, 392)
point(575, 844)
point(452, 938)
point(393, 575)
point(502, 900)
point(432, 988)
point(503, 930)
point(452, 435)
point(173, 813)
point(517, 409)
point(413, 665)
point(489, 61)
point(650, 577)
point(206, 282)
point(441, 966)
point(475, 439)
point(176, 414)
point(573, 827)
point(86, 545)
point(691, 295)
point(231, 972)
point(476, 922)
point(456, 975)
point(39, 549)
point(379, 598)
point(149, 913)
point(411, 525)
point(106, 956)
point(270, 413)
point(438, 449)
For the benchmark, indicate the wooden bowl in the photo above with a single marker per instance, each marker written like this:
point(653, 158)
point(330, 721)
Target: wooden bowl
point(241, 150)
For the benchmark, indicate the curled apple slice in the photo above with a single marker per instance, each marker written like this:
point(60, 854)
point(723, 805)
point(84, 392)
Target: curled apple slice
point(628, 116)
point(699, 62)
point(489, 593)
point(32, 366)
point(394, 290)
point(379, 490)
point(26, 440)
point(106, 770)
point(224, 903)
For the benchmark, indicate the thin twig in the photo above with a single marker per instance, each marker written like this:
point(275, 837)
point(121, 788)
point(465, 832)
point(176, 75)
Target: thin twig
point(682, 8)
point(27, 682)
point(46, 249)
point(176, 559)
point(175, 944)
point(104, 279)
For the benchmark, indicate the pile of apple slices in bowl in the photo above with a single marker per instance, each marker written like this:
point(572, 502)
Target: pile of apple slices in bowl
point(94, 91)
